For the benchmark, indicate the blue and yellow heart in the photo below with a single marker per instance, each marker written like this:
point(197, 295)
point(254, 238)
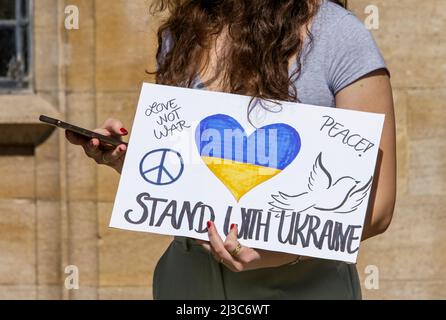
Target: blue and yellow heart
point(243, 162)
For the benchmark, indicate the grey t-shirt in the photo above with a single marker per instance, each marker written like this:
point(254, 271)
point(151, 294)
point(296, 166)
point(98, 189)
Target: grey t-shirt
point(341, 52)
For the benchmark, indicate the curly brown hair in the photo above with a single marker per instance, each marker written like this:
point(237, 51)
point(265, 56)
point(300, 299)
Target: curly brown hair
point(264, 35)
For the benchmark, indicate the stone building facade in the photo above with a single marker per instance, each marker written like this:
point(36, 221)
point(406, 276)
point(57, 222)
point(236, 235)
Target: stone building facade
point(55, 203)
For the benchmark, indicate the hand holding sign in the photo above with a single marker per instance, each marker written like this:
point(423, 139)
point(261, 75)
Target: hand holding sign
point(289, 184)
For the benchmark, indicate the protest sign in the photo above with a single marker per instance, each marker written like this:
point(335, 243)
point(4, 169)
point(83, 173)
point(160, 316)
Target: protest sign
point(295, 178)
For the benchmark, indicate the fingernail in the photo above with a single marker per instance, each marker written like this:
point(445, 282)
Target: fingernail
point(233, 226)
point(122, 148)
point(209, 224)
point(92, 144)
point(124, 132)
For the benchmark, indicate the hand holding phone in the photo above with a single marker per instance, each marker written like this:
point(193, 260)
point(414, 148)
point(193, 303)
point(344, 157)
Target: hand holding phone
point(103, 144)
point(106, 141)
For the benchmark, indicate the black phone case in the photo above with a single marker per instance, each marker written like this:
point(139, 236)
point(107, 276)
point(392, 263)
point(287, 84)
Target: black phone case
point(107, 141)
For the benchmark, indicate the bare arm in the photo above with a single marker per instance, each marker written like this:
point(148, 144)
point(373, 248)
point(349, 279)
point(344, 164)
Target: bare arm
point(373, 93)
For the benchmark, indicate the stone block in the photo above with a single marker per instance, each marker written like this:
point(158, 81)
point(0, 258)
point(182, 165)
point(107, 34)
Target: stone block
point(127, 258)
point(17, 242)
point(47, 168)
point(48, 243)
point(18, 176)
point(81, 170)
point(427, 169)
point(83, 242)
point(125, 44)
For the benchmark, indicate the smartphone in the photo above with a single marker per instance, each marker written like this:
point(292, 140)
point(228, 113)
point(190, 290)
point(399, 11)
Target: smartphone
point(108, 143)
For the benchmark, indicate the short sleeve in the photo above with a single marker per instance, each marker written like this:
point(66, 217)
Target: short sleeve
point(353, 53)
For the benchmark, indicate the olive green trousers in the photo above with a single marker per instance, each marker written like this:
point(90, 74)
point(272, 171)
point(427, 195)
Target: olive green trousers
point(188, 272)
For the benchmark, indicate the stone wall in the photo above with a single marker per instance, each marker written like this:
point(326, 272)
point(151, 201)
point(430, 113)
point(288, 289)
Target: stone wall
point(55, 203)
point(411, 255)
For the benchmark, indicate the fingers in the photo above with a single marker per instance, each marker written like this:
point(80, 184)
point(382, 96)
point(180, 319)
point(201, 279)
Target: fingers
point(232, 237)
point(103, 131)
point(114, 127)
point(92, 150)
point(75, 138)
point(219, 250)
point(99, 152)
point(111, 127)
point(242, 254)
point(114, 156)
point(207, 247)
point(231, 241)
point(205, 244)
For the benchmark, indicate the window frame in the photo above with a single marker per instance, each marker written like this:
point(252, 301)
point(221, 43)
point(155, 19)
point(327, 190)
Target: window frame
point(23, 31)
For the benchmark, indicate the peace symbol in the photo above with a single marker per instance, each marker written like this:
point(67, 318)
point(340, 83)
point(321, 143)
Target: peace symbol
point(161, 167)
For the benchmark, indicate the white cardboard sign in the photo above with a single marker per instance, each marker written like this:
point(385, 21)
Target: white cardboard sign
point(296, 178)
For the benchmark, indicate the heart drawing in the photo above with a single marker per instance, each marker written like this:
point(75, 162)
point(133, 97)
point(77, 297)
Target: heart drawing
point(243, 162)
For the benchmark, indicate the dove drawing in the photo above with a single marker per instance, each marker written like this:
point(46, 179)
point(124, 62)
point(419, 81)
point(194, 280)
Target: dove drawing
point(343, 195)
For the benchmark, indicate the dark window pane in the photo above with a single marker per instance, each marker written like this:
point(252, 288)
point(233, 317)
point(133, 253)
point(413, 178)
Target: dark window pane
point(7, 49)
point(15, 56)
point(7, 9)
point(25, 51)
point(25, 8)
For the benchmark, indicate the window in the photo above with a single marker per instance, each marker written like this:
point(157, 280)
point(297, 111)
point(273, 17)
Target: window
point(15, 44)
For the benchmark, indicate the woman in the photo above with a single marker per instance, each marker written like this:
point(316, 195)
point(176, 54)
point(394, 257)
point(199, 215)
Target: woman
point(312, 51)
